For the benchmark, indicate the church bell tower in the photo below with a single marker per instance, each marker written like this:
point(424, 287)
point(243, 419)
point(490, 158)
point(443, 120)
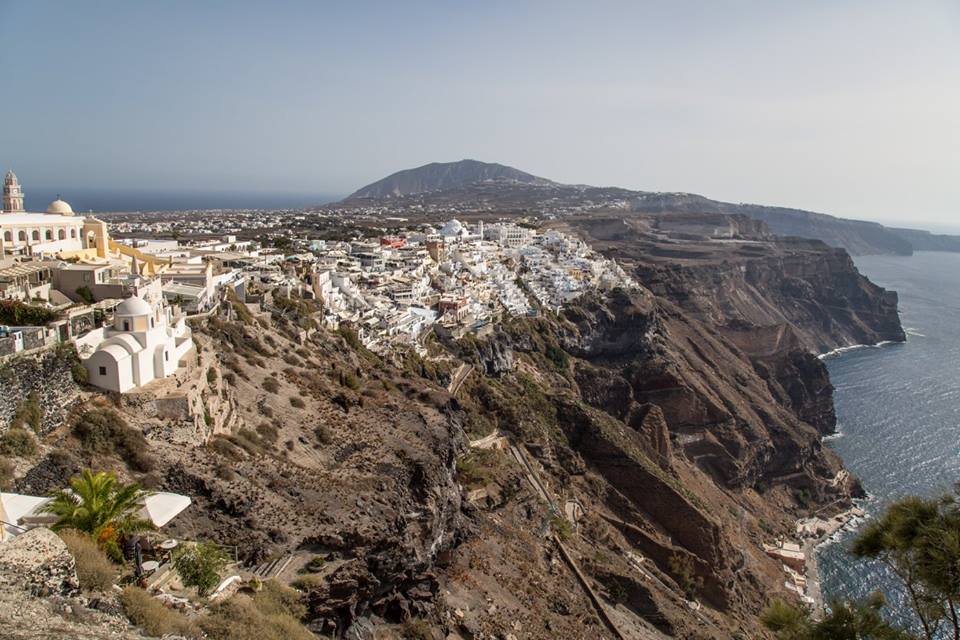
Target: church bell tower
point(12, 194)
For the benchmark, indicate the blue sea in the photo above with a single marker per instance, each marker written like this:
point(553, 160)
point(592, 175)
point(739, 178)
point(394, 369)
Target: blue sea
point(103, 200)
point(898, 408)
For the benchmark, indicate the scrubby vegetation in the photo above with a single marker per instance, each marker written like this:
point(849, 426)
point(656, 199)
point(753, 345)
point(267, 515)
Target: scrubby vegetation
point(683, 572)
point(479, 467)
point(94, 569)
point(29, 414)
point(272, 614)
point(149, 614)
point(6, 473)
point(416, 629)
point(103, 431)
point(18, 442)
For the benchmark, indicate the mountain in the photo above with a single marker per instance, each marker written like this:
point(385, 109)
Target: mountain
point(442, 176)
point(502, 187)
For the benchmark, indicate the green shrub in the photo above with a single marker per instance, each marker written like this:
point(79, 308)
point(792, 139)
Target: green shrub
point(347, 379)
point(200, 565)
point(94, 569)
point(79, 373)
point(84, 293)
point(271, 385)
point(561, 527)
point(211, 376)
point(297, 403)
point(316, 564)
point(351, 337)
point(557, 356)
point(149, 614)
point(18, 442)
point(683, 572)
point(18, 314)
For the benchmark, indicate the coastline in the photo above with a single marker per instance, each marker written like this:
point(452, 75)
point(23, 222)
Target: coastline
point(799, 555)
point(856, 347)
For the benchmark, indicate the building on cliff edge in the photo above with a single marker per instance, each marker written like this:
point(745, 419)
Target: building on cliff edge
point(143, 344)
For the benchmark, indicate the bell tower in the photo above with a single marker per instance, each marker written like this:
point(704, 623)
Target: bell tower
point(12, 194)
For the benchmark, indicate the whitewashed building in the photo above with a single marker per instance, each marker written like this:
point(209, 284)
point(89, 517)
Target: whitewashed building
point(142, 345)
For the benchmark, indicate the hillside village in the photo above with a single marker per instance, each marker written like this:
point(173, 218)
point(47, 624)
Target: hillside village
point(391, 290)
point(243, 340)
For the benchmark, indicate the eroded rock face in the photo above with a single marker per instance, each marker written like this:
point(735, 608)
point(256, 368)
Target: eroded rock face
point(38, 562)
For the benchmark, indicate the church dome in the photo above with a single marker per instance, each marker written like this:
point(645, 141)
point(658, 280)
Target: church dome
point(451, 228)
point(133, 306)
point(60, 207)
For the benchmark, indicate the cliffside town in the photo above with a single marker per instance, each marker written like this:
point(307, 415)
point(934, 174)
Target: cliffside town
point(561, 418)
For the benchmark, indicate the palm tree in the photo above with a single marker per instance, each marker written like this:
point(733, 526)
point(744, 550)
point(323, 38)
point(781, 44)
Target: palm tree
point(100, 506)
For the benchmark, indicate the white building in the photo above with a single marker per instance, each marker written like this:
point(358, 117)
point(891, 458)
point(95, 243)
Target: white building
point(140, 347)
point(45, 234)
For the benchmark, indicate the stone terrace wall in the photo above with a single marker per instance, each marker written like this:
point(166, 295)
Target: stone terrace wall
point(46, 374)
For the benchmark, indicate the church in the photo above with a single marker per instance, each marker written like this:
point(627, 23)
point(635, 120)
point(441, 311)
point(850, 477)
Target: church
point(142, 345)
point(58, 232)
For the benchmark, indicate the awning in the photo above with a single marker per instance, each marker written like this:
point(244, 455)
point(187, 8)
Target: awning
point(161, 508)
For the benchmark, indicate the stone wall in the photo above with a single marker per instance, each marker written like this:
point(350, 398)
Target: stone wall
point(190, 406)
point(47, 375)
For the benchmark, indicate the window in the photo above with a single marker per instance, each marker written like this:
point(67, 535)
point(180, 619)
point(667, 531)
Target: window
point(126, 325)
point(36, 235)
point(151, 323)
point(166, 355)
point(23, 236)
point(73, 233)
point(8, 236)
point(49, 234)
point(62, 234)
point(103, 371)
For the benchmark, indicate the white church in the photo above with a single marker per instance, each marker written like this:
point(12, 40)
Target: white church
point(142, 345)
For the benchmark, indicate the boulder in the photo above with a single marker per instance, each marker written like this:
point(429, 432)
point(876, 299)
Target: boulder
point(38, 562)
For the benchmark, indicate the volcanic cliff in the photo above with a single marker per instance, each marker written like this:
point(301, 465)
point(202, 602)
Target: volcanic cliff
point(632, 453)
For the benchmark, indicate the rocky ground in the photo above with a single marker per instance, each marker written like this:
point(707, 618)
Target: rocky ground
point(651, 441)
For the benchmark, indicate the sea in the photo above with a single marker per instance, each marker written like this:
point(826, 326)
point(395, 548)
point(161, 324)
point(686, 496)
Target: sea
point(898, 410)
point(111, 200)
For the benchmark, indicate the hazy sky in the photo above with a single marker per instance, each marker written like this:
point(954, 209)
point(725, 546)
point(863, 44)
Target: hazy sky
point(851, 108)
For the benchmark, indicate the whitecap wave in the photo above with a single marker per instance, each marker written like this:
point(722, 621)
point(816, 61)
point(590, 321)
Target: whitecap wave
point(855, 347)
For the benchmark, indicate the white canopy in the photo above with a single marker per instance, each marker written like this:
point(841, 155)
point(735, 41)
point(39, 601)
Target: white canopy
point(25, 511)
point(161, 507)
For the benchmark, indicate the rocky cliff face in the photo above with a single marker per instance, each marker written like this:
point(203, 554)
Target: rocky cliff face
point(652, 439)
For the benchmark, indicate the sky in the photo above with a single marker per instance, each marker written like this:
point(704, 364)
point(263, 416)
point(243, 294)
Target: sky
point(850, 108)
